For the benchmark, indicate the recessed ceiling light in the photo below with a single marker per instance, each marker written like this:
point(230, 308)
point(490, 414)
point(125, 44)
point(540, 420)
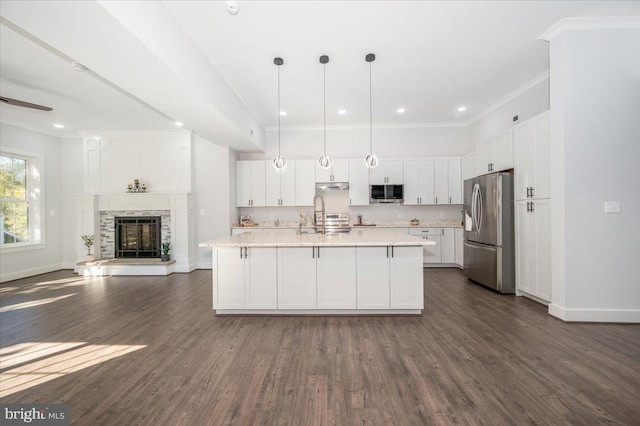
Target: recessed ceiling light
point(283, 113)
point(342, 111)
point(78, 66)
point(179, 123)
point(401, 110)
point(232, 7)
point(462, 108)
point(58, 126)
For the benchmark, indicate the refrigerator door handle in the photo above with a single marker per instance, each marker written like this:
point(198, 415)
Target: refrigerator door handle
point(479, 201)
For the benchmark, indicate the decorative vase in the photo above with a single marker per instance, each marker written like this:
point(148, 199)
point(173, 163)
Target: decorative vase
point(90, 258)
point(165, 257)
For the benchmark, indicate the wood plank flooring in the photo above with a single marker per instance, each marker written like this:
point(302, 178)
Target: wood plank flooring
point(161, 356)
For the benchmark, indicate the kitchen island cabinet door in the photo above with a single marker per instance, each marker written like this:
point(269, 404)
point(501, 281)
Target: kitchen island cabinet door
point(336, 277)
point(261, 278)
point(373, 277)
point(406, 283)
point(297, 278)
point(229, 274)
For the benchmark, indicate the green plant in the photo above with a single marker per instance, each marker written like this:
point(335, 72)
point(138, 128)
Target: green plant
point(166, 247)
point(88, 242)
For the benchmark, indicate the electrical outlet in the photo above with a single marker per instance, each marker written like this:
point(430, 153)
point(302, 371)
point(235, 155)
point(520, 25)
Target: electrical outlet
point(400, 215)
point(202, 212)
point(611, 207)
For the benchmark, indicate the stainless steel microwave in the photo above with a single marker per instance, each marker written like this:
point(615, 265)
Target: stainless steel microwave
point(379, 194)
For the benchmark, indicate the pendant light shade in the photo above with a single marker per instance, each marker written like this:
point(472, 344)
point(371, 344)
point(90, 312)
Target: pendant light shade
point(279, 163)
point(370, 159)
point(324, 161)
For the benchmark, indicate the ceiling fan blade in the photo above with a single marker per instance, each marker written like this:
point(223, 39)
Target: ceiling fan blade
point(24, 104)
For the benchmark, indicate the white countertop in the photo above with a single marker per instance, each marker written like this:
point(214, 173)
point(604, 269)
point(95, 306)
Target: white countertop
point(441, 223)
point(355, 238)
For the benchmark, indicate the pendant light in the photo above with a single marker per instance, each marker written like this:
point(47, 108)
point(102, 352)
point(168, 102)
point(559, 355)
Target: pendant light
point(371, 159)
point(279, 163)
point(324, 161)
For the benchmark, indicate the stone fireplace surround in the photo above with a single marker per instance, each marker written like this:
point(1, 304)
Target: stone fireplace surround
point(96, 213)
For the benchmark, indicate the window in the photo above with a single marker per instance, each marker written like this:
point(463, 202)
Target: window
point(19, 200)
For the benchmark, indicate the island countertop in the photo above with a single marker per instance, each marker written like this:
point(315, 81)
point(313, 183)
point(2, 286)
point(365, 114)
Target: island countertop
point(355, 238)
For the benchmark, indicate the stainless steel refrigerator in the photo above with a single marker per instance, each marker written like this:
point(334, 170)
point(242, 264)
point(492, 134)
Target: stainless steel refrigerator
point(489, 247)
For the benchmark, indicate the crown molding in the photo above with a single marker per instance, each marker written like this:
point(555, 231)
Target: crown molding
point(88, 134)
point(366, 126)
point(511, 96)
point(590, 23)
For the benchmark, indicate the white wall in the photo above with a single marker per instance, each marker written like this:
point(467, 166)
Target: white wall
point(529, 103)
point(32, 262)
point(595, 157)
point(211, 195)
point(388, 142)
point(72, 185)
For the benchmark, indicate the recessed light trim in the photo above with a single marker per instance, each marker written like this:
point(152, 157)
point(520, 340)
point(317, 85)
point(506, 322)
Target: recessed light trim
point(283, 113)
point(462, 108)
point(401, 110)
point(179, 123)
point(58, 126)
point(342, 111)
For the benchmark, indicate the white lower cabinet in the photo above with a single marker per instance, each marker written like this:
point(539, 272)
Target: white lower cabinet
point(373, 277)
point(245, 278)
point(336, 277)
point(533, 248)
point(430, 254)
point(459, 243)
point(448, 245)
point(406, 278)
point(297, 278)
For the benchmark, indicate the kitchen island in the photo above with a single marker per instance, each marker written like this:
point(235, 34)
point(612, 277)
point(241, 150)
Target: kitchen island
point(360, 272)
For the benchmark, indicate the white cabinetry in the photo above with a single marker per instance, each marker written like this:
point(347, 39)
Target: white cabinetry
point(495, 154)
point(389, 171)
point(433, 253)
point(305, 182)
point(245, 278)
point(338, 172)
point(406, 278)
point(448, 180)
point(297, 278)
point(336, 277)
point(373, 277)
point(250, 183)
point(280, 185)
point(469, 166)
point(418, 181)
point(358, 183)
point(448, 245)
point(533, 248)
point(531, 163)
point(459, 243)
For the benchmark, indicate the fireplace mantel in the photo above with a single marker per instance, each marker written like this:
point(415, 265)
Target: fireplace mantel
point(179, 204)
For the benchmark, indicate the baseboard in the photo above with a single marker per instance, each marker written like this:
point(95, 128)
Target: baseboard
point(205, 264)
point(30, 272)
point(595, 315)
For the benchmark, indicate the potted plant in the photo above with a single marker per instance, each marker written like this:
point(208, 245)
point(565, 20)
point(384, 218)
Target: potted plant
point(88, 243)
point(166, 246)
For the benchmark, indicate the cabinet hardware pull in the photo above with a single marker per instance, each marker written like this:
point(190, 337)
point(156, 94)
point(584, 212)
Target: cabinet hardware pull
point(313, 252)
point(245, 253)
point(532, 209)
point(387, 251)
point(391, 251)
point(527, 207)
point(240, 252)
point(449, 200)
point(318, 252)
point(436, 200)
point(532, 192)
point(442, 231)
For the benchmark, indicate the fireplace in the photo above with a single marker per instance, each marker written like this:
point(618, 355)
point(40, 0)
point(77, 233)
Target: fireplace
point(137, 237)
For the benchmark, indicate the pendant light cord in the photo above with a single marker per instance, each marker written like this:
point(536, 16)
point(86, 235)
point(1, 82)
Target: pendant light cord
point(279, 116)
point(324, 104)
point(370, 114)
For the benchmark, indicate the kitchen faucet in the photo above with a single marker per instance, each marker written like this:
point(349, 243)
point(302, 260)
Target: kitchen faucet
point(318, 195)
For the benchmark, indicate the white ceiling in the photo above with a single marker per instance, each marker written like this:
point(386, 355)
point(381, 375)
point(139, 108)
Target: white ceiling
point(431, 58)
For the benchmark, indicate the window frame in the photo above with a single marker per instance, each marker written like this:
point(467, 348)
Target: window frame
point(35, 199)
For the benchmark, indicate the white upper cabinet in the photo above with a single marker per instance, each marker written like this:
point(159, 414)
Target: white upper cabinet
point(280, 185)
point(305, 182)
point(441, 173)
point(495, 154)
point(358, 183)
point(469, 166)
point(388, 172)
point(531, 141)
point(418, 181)
point(455, 180)
point(250, 183)
point(338, 172)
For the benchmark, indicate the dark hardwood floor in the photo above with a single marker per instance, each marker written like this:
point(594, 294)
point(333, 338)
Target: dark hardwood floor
point(149, 350)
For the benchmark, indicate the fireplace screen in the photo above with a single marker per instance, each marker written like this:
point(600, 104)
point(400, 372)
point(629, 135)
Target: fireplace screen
point(137, 236)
